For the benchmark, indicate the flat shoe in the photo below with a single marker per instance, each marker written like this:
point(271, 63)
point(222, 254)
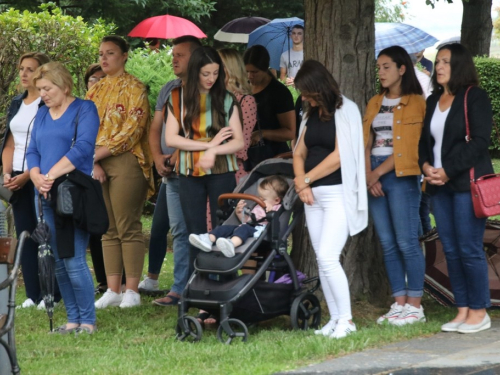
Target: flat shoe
point(85, 330)
point(451, 326)
point(62, 330)
point(473, 328)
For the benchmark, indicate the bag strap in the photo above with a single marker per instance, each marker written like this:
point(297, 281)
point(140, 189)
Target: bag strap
point(27, 139)
point(76, 126)
point(467, 129)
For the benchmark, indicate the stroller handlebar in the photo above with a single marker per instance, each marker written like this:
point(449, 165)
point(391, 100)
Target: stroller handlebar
point(249, 197)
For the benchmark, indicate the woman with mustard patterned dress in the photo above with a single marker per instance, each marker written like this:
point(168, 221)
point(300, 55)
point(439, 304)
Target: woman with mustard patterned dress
point(123, 165)
point(204, 123)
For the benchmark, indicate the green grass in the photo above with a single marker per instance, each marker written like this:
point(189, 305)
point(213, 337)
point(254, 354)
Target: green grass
point(142, 341)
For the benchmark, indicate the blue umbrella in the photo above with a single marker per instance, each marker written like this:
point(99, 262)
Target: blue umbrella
point(275, 36)
point(412, 39)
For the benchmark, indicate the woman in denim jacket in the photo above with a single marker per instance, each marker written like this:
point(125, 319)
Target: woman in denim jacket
point(392, 126)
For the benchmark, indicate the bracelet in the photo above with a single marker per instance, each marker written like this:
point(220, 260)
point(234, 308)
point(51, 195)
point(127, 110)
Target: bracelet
point(7, 174)
point(48, 177)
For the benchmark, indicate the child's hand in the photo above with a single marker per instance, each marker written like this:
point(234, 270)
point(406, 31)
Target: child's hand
point(239, 208)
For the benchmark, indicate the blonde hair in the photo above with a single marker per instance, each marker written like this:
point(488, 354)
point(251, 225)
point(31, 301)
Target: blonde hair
point(41, 58)
point(56, 73)
point(237, 76)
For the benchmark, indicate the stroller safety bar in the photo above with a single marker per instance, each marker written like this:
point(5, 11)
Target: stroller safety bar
point(249, 197)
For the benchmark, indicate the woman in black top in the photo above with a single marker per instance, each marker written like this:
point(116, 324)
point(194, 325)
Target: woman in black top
point(446, 159)
point(332, 210)
point(275, 109)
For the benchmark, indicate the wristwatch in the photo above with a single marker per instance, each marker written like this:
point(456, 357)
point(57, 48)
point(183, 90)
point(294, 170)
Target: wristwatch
point(48, 177)
point(307, 180)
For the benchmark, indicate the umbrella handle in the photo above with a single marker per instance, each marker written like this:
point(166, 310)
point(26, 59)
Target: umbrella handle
point(40, 207)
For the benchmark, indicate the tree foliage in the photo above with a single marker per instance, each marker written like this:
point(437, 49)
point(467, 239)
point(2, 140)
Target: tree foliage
point(123, 13)
point(386, 11)
point(63, 38)
point(154, 69)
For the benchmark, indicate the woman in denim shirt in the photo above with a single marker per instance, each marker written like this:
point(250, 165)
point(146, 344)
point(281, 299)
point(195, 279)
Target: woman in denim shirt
point(392, 126)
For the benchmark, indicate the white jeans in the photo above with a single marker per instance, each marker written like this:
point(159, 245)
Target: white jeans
point(327, 225)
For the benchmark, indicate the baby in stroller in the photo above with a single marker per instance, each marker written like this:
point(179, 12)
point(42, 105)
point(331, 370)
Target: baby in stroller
point(271, 190)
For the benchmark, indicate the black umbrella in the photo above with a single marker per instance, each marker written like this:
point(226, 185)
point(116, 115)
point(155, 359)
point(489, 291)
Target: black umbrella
point(46, 262)
point(236, 31)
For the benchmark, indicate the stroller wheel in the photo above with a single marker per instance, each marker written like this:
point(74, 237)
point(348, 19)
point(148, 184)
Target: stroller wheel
point(231, 329)
point(305, 312)
point(188, 328)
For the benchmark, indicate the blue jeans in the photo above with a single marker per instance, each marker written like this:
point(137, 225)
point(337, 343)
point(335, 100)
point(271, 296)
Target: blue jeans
point(397, 221)
point(159, 231)
point(72, 274)
point(193, 193)
point(179, 235)
point(461, 234)
point(243, 232)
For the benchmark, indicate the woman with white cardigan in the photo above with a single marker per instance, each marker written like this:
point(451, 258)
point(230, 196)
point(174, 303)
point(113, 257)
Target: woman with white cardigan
point(329, 171)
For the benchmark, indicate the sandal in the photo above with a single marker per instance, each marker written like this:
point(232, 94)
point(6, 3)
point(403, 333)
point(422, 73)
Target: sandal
point(174, 300)
point(211, 317)
point(202, 316)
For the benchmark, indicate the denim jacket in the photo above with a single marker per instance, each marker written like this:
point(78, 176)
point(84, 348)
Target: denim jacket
point(15, 104)
point(407, 127)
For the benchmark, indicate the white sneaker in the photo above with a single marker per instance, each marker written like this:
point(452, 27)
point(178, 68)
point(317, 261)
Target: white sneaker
point(201, 241)
point(327, 329)
point(41, 305)
point(109, 298)
point(410, 315)
point(28, 303)
point(343, 329)
point(226, 247)
point(130, 299)
point(148, 285)
point(392, 314)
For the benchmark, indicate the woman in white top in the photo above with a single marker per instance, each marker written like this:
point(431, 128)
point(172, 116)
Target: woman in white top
point(20, 118)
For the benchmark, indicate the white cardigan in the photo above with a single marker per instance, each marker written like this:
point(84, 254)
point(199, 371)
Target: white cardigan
point(349, 128)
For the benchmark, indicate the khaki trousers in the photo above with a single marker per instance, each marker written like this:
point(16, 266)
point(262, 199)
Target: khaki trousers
point(124, 192)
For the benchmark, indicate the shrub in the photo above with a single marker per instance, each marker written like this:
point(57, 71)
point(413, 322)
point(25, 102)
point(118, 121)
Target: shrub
point(153, 69)
point(489, 71)
point(64, 38)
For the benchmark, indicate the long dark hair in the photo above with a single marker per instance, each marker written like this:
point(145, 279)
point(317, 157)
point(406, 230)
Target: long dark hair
point(462, 70)
point(316, 82)
point(203, 56)
point(259, 57)
point(409, 81)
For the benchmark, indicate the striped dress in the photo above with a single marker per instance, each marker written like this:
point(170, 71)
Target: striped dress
point(187, 162)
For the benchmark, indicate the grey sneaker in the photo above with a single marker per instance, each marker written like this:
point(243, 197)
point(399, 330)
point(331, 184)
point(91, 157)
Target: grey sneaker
point(226, 247)
point(201, 241)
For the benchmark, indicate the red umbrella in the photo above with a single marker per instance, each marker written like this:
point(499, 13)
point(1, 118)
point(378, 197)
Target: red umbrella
point(166, 27)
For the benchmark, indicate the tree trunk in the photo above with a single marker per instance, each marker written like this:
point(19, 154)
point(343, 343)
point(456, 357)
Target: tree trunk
point(341, 35)
point(477, 26)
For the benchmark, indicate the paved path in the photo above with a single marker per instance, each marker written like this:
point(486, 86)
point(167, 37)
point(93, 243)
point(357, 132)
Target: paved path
point(441, 354)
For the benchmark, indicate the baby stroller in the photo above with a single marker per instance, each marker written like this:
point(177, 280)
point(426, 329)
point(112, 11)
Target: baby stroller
point(218, 286)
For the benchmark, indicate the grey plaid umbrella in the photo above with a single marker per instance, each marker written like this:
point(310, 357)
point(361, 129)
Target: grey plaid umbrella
point(411, 38)
point(46, 263)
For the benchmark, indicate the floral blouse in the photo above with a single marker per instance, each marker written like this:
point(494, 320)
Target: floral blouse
point(122, 103)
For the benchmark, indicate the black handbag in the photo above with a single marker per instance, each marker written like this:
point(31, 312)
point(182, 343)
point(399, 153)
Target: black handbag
point(64, 202)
